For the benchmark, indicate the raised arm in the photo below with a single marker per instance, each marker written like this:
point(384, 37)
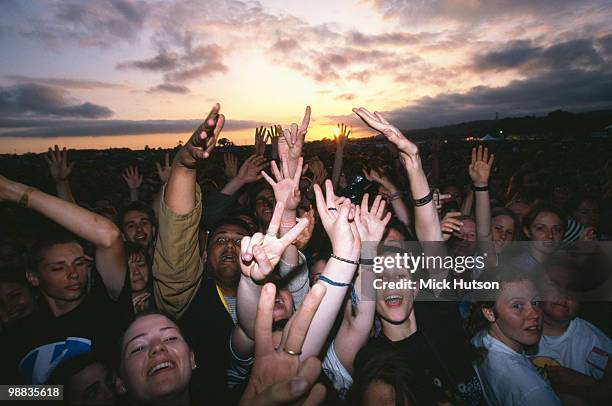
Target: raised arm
point(60, 169)
point(480, 170)
point(395, 195)
point(258, 257)
point(426, 215)
point(287, 190)
point(340, 269)
point(133, 180)
point(177, 267)
point(359, 318)
point(249, 172)
point(100, 231)
point(341, 141)
point(292, 141)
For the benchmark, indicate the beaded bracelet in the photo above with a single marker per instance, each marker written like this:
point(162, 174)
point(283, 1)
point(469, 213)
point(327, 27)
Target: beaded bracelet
point(348, 261)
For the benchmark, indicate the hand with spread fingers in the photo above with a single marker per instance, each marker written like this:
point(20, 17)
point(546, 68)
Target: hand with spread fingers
point(337, 221)
point(409, 152)
point(132, 177)
point(202, 141)
point(292, 141)
point(260, 141)
point(450, 224)
point(230, 165)
point(286, 187)
point(164, 171)
point(59, 167)
point(480, 167)
point(251, 169)
point(371, 222)
point(274, 133)
point(343, 135)
point(260, 253)
point(278, 376)
point(377, 175)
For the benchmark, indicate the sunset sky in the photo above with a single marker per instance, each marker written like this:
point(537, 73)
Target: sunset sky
point(115, 73)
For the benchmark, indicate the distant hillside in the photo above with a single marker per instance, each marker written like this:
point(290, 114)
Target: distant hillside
point(559, 122)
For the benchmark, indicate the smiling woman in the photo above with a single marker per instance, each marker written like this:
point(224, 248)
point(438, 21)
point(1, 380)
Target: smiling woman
point(156, 362)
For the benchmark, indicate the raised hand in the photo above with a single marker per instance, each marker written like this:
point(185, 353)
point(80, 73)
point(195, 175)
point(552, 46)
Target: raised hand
point(250, 171)
point(260, 141)
point(278, 376)
point(377, 175)
point(371, 223)
point(59, 167)
point(286, 187)
point(318, 171)
point(132, 177)
point(480, 167)
point(274, 133)
point(260, 253)
point(409, 152)
point(343, 135)
point(293, 138)
point(202, 141)
point(343, 233)
point(450, 224)
point(164, 172)
point(230, 168)
point(302, 240)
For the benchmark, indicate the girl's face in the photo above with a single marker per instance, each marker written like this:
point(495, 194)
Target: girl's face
point(518, 319)
point(392, 304)
point(502, 230)
point(546, 231)
point(156, 361)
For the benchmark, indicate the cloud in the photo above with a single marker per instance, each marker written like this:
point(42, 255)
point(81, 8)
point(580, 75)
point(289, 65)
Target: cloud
point(163, 61)
point(65, 83)
point(193, 63)
point(98, 23)
point(574, 90)
point(39, 100)
point(75, 128)
point(524, 55)
point(392, 38)
point(346, 96)
point(469, 12)
point(169, 88)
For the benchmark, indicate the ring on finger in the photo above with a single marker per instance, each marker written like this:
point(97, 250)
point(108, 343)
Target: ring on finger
point(293, 353)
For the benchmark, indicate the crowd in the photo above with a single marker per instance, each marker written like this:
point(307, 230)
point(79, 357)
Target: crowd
point(229, 275)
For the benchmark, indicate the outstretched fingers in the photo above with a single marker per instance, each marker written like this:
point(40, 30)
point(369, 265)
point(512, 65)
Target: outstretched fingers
point(263, 321)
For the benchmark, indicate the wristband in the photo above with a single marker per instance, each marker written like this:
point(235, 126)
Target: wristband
point(423, 201)
point(25, 197)
point(348, 261)
point(480, 188)
point(331, 282)
point(366, 261)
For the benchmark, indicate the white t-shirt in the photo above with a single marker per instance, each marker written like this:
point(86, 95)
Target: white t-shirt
point(335, 371)
point(509, 378)
point(583, 348)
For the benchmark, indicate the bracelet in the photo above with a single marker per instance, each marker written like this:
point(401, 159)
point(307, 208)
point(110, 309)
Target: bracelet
point(394, 196)
point(480, 188)
point(349, 261)
point(25, 197)
point(331, 282)
point(423, 201)
point(366, 261)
